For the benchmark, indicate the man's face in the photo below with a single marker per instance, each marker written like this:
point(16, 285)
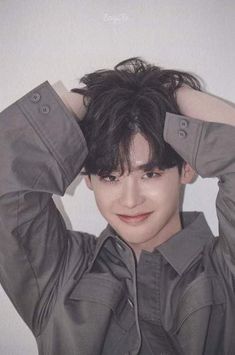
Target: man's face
point(141, 206)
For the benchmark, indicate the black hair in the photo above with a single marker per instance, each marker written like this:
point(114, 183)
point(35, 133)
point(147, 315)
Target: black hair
point(134, 97)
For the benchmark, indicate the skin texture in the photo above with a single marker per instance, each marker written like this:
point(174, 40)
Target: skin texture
point(205, 107)
point(140, 192)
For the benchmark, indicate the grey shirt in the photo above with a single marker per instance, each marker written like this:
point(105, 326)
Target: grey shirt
point(82, 295)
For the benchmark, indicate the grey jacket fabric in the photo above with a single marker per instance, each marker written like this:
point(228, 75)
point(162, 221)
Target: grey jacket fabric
point(82, 295)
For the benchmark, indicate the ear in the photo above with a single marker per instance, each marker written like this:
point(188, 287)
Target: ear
point(88, 182)
point(188, 174)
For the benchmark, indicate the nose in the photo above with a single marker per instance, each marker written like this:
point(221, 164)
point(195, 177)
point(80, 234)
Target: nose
point(131, 194)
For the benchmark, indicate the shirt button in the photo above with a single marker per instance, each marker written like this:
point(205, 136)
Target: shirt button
point(182, 134)
point(35, 97)
point(45, 109)
point(120, 246)
point(183, 123)
point(130, 302)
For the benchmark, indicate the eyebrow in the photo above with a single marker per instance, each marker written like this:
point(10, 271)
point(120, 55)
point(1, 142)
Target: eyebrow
point(150, 165)
point(147, 166)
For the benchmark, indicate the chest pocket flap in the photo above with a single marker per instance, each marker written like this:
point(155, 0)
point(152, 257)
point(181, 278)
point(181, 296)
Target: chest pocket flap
point(204, 291)
point(106, 294)
point(101, 288)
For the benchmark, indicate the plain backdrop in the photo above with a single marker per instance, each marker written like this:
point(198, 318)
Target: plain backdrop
point(58, 39)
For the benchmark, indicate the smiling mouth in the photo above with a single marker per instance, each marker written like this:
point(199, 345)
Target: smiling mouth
point(134, 219)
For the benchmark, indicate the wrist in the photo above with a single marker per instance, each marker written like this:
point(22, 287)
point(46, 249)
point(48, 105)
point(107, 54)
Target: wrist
point(73, 101)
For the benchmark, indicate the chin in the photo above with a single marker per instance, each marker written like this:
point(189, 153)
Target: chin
point(137, 237)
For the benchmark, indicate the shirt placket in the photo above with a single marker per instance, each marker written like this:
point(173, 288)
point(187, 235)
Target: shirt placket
point(154, 337)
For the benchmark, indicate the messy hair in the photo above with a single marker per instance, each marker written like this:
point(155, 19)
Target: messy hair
point(133, 97)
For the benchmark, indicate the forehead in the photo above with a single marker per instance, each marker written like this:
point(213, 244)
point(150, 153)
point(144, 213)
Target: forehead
point(139, 151)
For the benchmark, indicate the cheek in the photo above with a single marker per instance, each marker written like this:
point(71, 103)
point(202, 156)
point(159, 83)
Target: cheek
point(173, 195)
point(104, 198)
point(166, 191)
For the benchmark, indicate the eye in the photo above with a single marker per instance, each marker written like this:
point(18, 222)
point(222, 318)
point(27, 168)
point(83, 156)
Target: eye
point(151, 175)
point(109, 178)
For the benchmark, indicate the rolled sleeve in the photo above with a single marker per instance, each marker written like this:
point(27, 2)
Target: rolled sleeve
point(209, 147)
point(42, 151)
point(56, 127)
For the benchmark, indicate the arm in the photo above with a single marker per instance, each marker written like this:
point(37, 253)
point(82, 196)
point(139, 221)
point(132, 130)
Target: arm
point(205, 107)
point(208, 144)
point(42, 150)
point(73, 101)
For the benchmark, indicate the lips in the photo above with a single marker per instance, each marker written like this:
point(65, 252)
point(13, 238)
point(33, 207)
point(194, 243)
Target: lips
point(134, 219)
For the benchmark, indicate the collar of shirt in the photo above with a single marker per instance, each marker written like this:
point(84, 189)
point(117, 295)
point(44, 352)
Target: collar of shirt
point(180, 250)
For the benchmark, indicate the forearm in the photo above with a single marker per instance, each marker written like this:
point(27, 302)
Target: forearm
point(205, 107)
point(73, 101)
point(209, 148)
point(42, 151)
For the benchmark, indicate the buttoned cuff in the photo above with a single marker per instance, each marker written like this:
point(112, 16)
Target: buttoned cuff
point(183, 134)
point(207, 146)
point(56, 127)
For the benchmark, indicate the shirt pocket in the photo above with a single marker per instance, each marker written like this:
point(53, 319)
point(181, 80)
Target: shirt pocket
point(102, 296)
point(199, 319)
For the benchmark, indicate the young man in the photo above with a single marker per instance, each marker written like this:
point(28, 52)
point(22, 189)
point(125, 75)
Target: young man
point(155, 281)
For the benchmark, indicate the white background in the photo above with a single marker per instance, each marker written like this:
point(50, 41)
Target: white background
point(58, 39)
